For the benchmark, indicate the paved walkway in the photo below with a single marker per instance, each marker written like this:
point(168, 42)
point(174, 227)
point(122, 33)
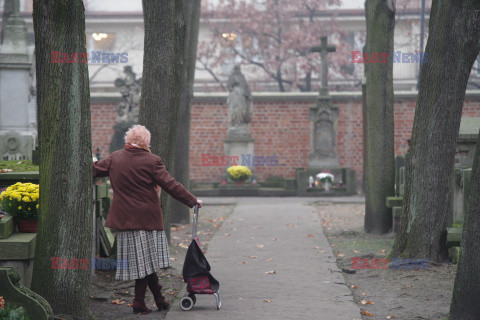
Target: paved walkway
point(283, 235)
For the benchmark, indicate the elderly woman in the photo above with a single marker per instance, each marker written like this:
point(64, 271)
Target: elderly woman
point(136, 175)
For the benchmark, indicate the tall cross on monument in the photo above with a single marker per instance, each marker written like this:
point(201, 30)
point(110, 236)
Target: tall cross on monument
point(324, 49)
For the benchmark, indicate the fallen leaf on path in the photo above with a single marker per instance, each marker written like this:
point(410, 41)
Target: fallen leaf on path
point(354, 287)
point(268, 259)
point(274, 239)
point(310, 235)
point(260, 246)
point(252, 237)
point(244, 262)
point(390, 317)
point(382, 251)
point(254, 257)
point(366, 313)
point(290, 225)
point(240, 298)
point(364, 293)
point(271, 272)
point(183, 245)
point(321, 251)
point(267, 301)
point(340, 255)
point(173, 259)
point(356, 242)
point(317, 247)
point(228, 234)
point(117, 301)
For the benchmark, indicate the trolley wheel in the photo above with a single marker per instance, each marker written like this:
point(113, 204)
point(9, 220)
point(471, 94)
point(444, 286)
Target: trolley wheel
point(186, 303)
point(192, 296)
point(218, 300)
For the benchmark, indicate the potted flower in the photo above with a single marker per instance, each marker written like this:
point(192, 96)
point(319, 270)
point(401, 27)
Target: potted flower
point(9, 312)
point(239, 173)
point(21, 202)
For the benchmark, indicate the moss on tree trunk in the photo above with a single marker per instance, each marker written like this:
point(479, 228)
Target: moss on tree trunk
point(163, 64)
point(453, 44)
point(63, 98)
point(379, 149)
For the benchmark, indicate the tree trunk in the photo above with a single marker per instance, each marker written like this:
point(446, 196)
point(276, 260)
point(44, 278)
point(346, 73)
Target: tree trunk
point(453, 44)
point(65, 222)
point(380, 162)
point(467, 281)
point(180, 212)
point(163, 64)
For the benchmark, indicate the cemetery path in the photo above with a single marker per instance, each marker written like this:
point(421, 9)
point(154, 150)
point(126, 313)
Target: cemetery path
point(273, 262)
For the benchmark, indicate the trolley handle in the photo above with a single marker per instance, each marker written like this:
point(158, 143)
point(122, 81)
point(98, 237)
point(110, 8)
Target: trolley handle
point(195, 222)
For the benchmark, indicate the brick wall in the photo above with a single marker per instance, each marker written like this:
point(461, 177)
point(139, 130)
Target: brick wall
point(280, 127)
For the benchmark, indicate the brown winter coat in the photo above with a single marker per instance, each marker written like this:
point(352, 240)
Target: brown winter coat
point(134, 175)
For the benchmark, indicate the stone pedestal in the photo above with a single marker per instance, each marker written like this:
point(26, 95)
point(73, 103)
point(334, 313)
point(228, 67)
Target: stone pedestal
point(241, 147)
point(18, 251)
point(323, 130)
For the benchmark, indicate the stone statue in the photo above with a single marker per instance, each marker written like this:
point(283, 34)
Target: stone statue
point(239, 105)
point(128, 109)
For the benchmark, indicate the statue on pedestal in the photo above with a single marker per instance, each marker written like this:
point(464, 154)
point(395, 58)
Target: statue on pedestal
point(239, 105)
point(128, 109)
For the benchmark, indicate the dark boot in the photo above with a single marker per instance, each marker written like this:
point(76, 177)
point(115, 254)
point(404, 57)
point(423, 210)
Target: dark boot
point(156, 289)
point(139, 302)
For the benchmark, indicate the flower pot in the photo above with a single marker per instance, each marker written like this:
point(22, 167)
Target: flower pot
point(27, 226)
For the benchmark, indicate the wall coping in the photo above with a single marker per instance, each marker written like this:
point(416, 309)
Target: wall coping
point(221, 97)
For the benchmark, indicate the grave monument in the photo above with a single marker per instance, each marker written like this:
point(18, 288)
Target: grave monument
point(17, 91)
point(238, 141)
point(323, 119)
point(323, 132)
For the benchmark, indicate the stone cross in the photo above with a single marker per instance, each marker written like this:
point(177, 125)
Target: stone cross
point(324, 49)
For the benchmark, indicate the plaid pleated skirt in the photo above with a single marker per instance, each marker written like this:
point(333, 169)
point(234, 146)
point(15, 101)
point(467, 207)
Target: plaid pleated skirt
point(141, 252)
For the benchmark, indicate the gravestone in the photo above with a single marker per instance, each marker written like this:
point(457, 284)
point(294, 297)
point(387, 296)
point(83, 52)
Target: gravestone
point(238, 141)
point(127, 109)
point(323, 119)
point(467, 141)
point(17, 93)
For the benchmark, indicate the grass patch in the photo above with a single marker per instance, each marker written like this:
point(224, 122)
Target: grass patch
point(18, 166)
